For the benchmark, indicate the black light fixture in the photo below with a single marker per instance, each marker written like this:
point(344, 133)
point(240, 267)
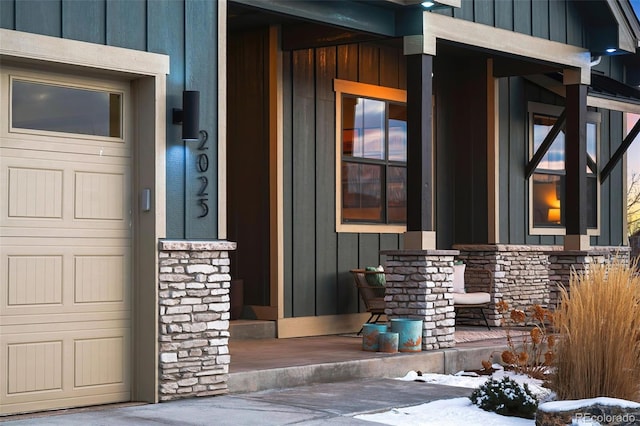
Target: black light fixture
point(189, 115)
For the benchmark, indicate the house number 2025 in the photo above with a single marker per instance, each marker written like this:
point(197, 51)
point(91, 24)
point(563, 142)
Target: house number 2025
point(202, 165)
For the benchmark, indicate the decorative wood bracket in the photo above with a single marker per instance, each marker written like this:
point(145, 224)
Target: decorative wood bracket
point(546, 144)
point(615, 158)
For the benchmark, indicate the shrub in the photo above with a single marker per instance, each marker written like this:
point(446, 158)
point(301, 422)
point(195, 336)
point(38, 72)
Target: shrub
point(598, 322)
point(533, 353)
point(505, 397)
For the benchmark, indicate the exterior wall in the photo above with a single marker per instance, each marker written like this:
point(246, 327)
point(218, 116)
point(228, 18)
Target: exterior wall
point(317, 259)
point(556, 20)
point(194, 307)
point(514, 93)
point(187, 32)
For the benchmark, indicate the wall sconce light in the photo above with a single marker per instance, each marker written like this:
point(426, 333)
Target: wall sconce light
point(189, 115)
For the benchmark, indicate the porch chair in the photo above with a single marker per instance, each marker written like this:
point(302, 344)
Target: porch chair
point(473, 300)
point(372, 296)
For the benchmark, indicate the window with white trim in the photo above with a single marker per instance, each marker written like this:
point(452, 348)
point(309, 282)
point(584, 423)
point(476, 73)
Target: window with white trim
point(371, 158)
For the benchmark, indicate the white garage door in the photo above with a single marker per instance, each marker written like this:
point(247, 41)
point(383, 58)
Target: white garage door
point(65, 241)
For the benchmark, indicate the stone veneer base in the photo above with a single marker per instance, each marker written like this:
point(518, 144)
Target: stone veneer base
point(419, 285)
point(194, 303)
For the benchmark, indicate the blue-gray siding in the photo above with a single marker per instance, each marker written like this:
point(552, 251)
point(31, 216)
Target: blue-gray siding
point(184, 30)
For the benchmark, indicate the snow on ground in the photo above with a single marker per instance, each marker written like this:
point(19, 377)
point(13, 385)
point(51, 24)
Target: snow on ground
point(457, 411)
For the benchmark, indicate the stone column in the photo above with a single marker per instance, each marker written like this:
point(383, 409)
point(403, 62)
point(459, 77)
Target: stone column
point(194, 307)
point(419, 286)
point(563, 262)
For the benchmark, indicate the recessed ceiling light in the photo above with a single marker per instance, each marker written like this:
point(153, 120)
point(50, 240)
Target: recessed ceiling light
point(428, 4)
point(610, 50)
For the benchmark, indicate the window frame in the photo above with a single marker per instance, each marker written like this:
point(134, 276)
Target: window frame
point(66, 83)
point(555, 111)
point(386, 94)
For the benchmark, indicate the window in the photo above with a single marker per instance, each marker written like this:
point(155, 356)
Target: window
point(56, 108)
point(371, 158)
point(547, 183)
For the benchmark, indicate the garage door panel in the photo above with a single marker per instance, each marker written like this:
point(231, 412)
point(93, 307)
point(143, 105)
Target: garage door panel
point(99, 279)
point(64, 196)
point(37, 367)
point(99, 196)
point(98, 361)
point(34, 280)
point(34, 193)
point(63, 279)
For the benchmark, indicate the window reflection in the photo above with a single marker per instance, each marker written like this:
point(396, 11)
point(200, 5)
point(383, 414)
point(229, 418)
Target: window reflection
point(40, 106)
point(374, 152)
point(548, 183)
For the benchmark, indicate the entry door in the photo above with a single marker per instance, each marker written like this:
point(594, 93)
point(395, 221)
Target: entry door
point(65, 241)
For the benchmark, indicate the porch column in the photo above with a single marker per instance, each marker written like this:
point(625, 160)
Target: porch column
point(575, 200)
point(420, 183)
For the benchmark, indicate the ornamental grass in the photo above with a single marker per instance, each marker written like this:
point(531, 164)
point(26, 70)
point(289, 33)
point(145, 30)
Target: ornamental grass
point(598, 323)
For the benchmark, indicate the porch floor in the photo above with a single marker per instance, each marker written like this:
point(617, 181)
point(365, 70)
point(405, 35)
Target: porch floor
point(279, 363)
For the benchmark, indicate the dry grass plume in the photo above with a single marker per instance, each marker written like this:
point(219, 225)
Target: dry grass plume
point(598, 322)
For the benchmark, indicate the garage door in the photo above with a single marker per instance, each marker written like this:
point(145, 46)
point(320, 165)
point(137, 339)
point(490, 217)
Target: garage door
point(65, 241)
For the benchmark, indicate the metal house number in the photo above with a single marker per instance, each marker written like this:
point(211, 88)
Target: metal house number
point(202, 165)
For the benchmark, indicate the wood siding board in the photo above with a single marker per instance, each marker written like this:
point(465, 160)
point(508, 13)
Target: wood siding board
point(575, 31)
point(84, 20)
point(504, 148)
point(390, 60)
point(540, 18)
point(7, 14)
point(347, 62)
point(517, 156)
point(558, 21)
point(304, 213)
point(484, 11)
point(200, 75)
point(368, 64)
point(39, 17)
point(465, 11)
point(504, 15)
point(348, 298)
point(368, 250)
point(326, 237)
point(287, 182)
point(248, 171)
point(165, 34)
point(126, 25)
point(522, 16)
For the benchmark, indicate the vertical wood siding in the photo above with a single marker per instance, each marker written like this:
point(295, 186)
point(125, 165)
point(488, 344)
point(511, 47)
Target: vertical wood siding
point(184, 30)
point(515, 92)
point(317, 259)
point(557, 20)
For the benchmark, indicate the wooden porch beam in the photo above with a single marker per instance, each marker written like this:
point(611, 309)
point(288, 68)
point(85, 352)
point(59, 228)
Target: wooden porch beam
point(575, 202)
point(617, 156)
point(546, 144)
point(420, 188)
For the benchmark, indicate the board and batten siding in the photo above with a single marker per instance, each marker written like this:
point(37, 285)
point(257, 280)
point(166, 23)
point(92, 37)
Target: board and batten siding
point(317, 259)
point(514, 93)
point(187, 32)
point(556, 20)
